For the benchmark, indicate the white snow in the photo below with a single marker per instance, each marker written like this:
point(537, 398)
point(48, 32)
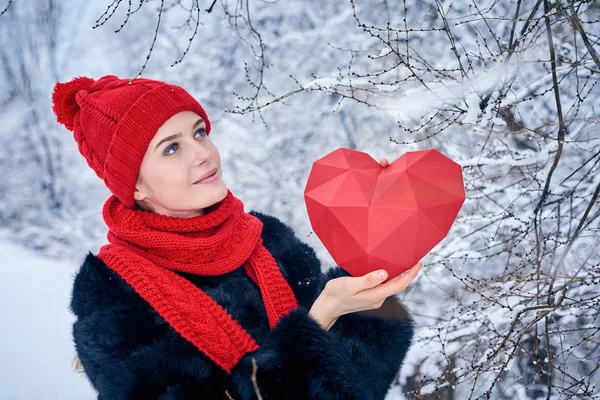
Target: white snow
point(36, 347)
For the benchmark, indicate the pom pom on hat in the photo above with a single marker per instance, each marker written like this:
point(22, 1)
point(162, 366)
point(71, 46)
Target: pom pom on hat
point(64, 103)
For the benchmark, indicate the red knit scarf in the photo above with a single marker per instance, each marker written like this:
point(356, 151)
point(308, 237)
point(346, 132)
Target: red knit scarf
point(145, 248)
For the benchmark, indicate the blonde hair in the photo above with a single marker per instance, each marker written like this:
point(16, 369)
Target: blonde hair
point(77, 366)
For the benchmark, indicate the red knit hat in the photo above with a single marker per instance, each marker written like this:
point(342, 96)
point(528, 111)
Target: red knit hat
point(114, 120)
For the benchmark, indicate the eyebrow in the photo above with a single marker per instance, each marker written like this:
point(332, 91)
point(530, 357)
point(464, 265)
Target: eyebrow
point(176, 135)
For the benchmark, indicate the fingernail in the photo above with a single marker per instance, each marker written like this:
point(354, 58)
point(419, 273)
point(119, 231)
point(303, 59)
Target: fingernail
point(382, 275)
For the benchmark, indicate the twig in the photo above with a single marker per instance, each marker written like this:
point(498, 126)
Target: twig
point(561, 126)
point(6, 9)
point(583, 35)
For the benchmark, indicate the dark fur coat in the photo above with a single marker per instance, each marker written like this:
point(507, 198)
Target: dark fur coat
point(129, 352)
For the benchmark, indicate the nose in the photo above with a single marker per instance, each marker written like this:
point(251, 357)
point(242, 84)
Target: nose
point(200, 154)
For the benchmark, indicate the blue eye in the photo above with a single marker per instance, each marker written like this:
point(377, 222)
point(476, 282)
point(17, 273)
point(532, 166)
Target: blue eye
point(175, 146)
point(167, 153)
point(203, 130)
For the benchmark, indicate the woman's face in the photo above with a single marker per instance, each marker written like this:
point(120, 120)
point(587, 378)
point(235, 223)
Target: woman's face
point(177, 157)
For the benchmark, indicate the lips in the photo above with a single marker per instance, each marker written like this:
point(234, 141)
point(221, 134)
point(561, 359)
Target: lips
point(206, 175)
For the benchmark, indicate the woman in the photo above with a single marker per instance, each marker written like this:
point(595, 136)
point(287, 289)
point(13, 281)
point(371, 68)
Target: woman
point(194, 298)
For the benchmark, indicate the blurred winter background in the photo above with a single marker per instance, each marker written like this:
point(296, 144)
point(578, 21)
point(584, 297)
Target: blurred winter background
point(506, 305)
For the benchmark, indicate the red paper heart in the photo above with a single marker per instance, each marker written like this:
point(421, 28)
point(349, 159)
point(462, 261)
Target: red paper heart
point(370, 217)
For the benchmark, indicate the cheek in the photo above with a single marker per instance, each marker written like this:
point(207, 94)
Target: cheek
point(168, 179)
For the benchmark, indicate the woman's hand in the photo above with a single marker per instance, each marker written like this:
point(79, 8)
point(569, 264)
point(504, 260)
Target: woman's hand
point(348, 294)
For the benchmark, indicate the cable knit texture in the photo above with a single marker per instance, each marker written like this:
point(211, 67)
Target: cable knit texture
point(146, 248)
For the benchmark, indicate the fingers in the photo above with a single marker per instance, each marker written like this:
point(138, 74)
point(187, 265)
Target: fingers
point(384, 162)
point(408, 276)
point(369, 281)
point(395, 285)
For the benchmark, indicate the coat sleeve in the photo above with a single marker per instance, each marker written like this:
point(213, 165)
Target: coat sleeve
point(358, 358)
